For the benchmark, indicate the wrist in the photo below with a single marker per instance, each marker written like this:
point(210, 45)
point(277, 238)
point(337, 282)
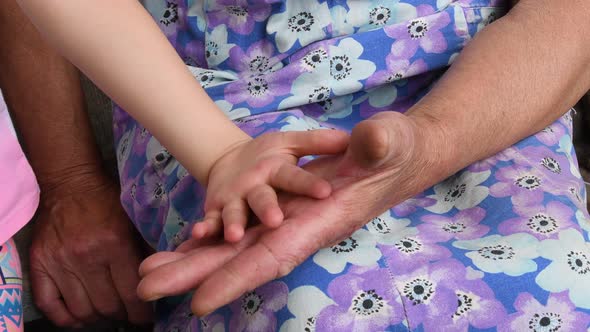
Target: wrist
point(440, 154)
point(72, 180)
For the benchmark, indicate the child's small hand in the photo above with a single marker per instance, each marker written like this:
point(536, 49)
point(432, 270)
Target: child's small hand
point(247, 177)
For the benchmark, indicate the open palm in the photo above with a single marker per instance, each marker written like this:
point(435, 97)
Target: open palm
point(376, 172)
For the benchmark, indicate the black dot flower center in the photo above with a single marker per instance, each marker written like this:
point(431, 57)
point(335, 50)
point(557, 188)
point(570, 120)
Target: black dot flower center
point(340, 67)
point(551, 164)
point(251, 303)
point(464, 304)
point(347, 245)
point(379, 16)
point(455, 192)
point(417, 28)
point(528, 182)
point(498, 252)
point(258, 87)
point(419, 290)
point(319, 94)
point(259, 64)
point(578, 262)
point(454, 227)
point(170, 14)
point(546, 322)
point(301, 22)
point(542, 223)
point(367, 303)
point(237, 11)
point(408, 245)
point(315, 58)
point(380, 226)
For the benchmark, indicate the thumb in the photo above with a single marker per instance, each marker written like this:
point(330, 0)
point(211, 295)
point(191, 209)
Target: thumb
point(386, 139)
point(315, 142)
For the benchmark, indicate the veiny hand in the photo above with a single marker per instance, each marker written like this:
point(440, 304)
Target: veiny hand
point(247, 177)
point(391, 157)
point(85, 255)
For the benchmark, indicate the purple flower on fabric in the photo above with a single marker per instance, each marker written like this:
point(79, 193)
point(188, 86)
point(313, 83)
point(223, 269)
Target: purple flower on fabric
point(464, 225)
point(558, 315)
point(238, 15)
point(385, 93)
point(364, 301)
point(194, 54)
point(422, 32)
point(411, 205)
point(491, 162)
point(555, 166)
point(261, 90)
point(258, 59)
point(524, 184)
point(255, 310)
point(411, 252)
point(397, 69)
point(476, 305)
point(440, 294)
point(551, 135)
point(541, 221)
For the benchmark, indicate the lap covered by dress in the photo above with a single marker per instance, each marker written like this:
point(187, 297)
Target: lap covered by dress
point(501, 245)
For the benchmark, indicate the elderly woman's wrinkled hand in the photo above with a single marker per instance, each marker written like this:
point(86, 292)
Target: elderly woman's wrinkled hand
point(391, 157)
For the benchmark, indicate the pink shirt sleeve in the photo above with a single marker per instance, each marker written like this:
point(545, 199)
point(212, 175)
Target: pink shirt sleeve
point(19, 192)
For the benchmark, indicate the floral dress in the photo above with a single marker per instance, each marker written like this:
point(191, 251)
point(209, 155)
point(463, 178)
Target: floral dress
point(501, 245)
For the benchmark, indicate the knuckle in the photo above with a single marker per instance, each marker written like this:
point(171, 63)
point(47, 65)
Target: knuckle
point(83, 314)
point(80, 251)
point(43, 303)
point(62, 322)
point(109, 309)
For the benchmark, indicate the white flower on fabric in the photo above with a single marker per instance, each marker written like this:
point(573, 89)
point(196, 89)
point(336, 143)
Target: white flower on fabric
point(302, 21)
point(230, 112)
point(488, 16)
point(303, 123)
point(513, 254)
point(359, 250)
point(216, 47)
point(442, 4)
point(388, 230)
point(346, 69)
point(374, 14)
point(305, 303)
point(195, 9)
point(462, 191)
point(159, 157)
point(567, 146)
point(309, 88)
point(583, 220)
point(124, 148)
point(382, 96)
point(569, 269)
point(340, 26)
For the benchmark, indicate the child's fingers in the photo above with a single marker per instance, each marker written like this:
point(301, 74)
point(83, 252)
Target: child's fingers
point(296, 180)
point(210, 225)
point(264, 203)
point(316, 142)
point(235, 218)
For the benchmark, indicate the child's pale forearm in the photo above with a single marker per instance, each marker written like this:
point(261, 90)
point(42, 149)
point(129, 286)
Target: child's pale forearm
point(517, 76)
point(117, 44)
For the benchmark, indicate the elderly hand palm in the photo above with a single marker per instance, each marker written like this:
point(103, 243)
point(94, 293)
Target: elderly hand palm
point(376, 172)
